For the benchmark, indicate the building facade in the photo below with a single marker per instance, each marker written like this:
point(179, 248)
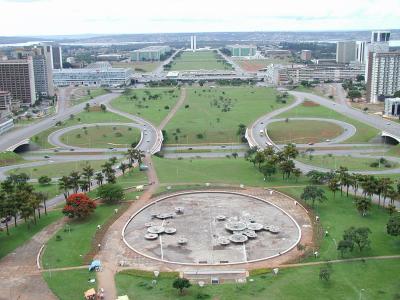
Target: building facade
point(98, 74)
point(56, 54)
point(392, 107)
point(151, 53)
point(361, 47)
point(17, 77)
point(242, 50)
point(384, 78)
point(345, 52)
point(193, 43)
point(305, 55)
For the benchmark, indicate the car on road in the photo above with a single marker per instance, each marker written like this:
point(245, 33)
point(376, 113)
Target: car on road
point(387, 123)
point(72, 149)
point(327, 140)
point(46, 156)
point(311, 144)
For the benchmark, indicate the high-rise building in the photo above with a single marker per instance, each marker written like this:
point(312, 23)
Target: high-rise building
point(379, 43)
point(151, 53)
point(17, 77)
point(392, 107)
point(5, 101)
point(384, 76)
point(305, 55)
point(360, 51)
point(6, 122)
point(345, 52)
point(193, 43)
point(57, 57)
point(242, 50)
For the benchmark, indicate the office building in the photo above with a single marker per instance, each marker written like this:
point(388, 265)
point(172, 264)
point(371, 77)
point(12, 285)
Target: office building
point(360, 51)
point(57, 61)
point(384, 78)
point(345, 52)
point(5, 101)
point(242, 50)
point(151, 53)
point(17, 77)
point(98, 74)
point(193, 43)
point(392, 107)
point(379, 43)
point(277, 53)
point(295, 74)
point(305, 55)
point(109, 57)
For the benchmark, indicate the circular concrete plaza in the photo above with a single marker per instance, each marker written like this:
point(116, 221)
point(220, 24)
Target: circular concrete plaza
point(211, 228)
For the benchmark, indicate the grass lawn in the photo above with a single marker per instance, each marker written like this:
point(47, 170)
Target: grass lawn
point(337, 215)
point(102, 136)
point(138, 66)
point(347, 279)
point(68, 285)
point(303, 132)
point(151, 104)
point(364, 132)
point(87, 94)
point(81, 118)
point(21, 234)
point(253, 65)
point(212, 115)
point(352, 163)
point(51, 190)
point(10, 158)
point(132, 178)
point(395, 151)
point(54, 170)
point(200, 60)
point(215, 171)
point(71, 250)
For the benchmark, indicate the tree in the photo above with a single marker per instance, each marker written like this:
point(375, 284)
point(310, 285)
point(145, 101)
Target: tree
point(333, 185)
point(290, 151)
point(103, 108)
point(363, 205)
point(235, 155)
point(180, 284)
point(123, 167)
point(87, 107)
point(43, 197)
point(99, 178)
point(109, 172)
point(316, 177)
point(44, 180)
point(287, 167)
point(352, 94)
point(4, 209)
point(324, 273)
point(64, 185)
point(268, 169)
point(297, 173)
point(397, 94)
point(74, 178)
point(393, 225)
point(313, 193)
point(110, 193)
point(345, 246)
point(259, 159)
point(79, 206)
point(88, 173)
point(358, 236)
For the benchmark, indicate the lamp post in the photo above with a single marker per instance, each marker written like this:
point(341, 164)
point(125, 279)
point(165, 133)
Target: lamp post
point(361, 291)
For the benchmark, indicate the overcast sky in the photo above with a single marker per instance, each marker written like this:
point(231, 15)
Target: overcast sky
point(61, 17)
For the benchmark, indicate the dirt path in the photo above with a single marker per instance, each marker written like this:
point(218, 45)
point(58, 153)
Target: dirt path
point(173, 111)
point(26, 282)
point(112, 246)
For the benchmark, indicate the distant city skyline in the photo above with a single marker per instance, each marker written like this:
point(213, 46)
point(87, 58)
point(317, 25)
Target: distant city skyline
point(60, 17)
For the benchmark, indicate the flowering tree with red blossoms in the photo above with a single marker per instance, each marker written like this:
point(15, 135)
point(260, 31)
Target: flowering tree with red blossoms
point(79, 206)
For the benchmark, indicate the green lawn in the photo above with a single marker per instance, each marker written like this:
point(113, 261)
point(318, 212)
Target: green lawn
point(21, 234)
point(200, 60)
point(132, 178)
point(337, 215)
point(138, 66)
point(70, 285)
point(102, 136)
point(70, 251)
point(364, 132)
point(352, 163)
point(51, 190)
point(214, 171)
point(303, 132)
point(212, 115)
point(395, 151)
point(151, 104)
point(10, 158)
point(253, 65)
point(56, 170)
point(87, 95)
point(81, 118)
point(347, 279)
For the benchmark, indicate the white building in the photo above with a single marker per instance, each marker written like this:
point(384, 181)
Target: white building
point(384, 78)
point(193, 43)
point(379, 43)
point(98, 74)
point(345, 52)
point(392, 107)
point(360, 51)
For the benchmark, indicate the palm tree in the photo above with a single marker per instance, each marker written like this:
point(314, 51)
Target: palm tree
point(130, 155)
point(139, 154)
point(4, 209)
point(342, 175)
point(88, 173)
point(123, 168)
point(64, 185)
point(383, 185)
point(313, 193)
point(99, 178)
point(74, 178)
point(333, 185)
point(109, 172)
point(43, 198)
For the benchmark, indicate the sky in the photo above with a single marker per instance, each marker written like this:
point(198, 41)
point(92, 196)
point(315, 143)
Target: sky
point(71, 17)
